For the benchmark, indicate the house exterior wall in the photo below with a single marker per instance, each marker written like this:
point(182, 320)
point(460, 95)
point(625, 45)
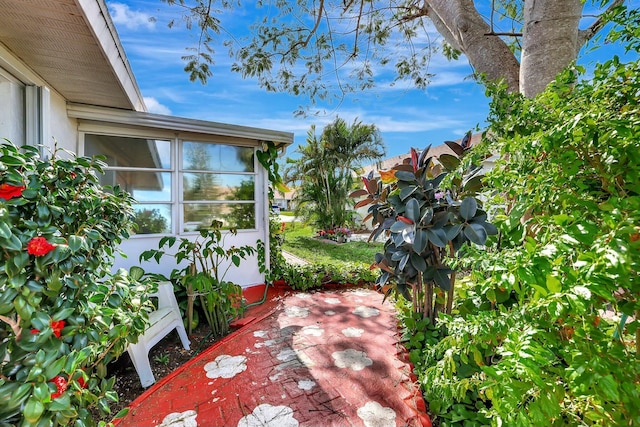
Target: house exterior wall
point(30, 111)
point(33, 113)
point(63, 129)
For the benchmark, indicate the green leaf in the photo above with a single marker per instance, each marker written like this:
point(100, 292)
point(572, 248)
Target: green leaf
point(399, 226)
point(136, 273)
point(12, 244)
point(609, 388)
point(468, 208)
point(553, 284)
point(63, 314)
point(413, 210)
point(75, 242)
point(420, 240)
point(476, 233)
point(427, 217)
point(236, 260)
point(418, 262)
point(437, 236)
point(54, 368)
point(452, 231)
point(403, 262)
point(449, 162)
point(406, 192)
point(474, 184)
point(405, 176)
point(5, 230)
point(441, 277)
point(33, 410)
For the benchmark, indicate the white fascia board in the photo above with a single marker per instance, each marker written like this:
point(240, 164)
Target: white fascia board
point(99, 21)
point(176, 124)
point(18, 69)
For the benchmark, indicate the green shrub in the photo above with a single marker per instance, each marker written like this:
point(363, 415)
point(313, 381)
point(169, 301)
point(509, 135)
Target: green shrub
point(536, 337)
point(316, 275)
point(208, 259)
point(64, 315)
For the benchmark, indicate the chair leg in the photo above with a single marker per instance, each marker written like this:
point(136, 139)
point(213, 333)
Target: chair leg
point(140, 358)
point(183, 336)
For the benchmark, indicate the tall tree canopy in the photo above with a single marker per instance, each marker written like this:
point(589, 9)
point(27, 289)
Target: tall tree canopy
point(299, 46)
point(323, 175)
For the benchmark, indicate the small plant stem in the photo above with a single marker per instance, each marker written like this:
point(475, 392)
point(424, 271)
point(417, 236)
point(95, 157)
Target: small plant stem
point(638, 337)
point(453, 282)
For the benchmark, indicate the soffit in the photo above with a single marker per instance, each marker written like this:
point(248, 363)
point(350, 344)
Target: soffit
point(74, 47)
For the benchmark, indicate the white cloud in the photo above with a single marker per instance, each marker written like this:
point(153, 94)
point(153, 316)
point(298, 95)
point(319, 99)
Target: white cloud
point(130, 19)
point(154, 106)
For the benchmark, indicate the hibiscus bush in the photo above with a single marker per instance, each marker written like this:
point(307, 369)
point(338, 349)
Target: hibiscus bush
point(63, 314)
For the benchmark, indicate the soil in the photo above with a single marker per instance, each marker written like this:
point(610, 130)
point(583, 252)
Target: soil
point(165, 357)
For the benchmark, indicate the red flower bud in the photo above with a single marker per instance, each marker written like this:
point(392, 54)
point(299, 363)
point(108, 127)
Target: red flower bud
point(57, 326)
point(39, 246)
point(82, 383)
point(61, 386)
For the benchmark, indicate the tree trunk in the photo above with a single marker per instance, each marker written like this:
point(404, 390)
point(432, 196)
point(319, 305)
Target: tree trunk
point(462, 26)
point(549, 42)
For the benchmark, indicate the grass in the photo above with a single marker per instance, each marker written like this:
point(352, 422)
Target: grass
point(299, 240)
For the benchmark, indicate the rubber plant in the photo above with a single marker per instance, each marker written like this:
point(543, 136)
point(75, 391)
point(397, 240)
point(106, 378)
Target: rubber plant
point(425, 224)
point(63, 314)
point(208, 260)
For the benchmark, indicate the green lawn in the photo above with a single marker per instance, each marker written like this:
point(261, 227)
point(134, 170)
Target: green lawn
point(299, 241)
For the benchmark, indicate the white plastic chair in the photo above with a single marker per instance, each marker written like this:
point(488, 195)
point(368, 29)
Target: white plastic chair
point(162, 321)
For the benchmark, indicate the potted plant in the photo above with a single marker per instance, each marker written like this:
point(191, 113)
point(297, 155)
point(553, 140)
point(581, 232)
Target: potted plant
point(203, 277)
point(425, 223)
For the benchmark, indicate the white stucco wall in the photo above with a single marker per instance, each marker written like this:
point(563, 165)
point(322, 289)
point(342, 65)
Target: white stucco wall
point(62, 129)
point(15, 78)
point(246, 275)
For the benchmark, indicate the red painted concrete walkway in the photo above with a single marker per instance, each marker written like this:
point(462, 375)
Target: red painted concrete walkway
point(327, 358)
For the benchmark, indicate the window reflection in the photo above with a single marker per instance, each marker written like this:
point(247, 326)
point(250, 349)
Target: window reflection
point(152, 218)
point(198, 156)
point(204, 186)
point(232, 215)
point(129, 152)
point(143, 186)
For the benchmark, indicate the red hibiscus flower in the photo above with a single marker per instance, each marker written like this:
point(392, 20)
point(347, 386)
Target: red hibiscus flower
point(8, 191)
point(61, 386)
point(81, 382)
point(39, 246)
point(57, 326)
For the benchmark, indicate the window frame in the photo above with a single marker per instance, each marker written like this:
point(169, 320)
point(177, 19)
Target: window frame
point(176, 171)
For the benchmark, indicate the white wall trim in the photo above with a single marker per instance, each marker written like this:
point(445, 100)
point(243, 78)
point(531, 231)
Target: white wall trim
point(175, 124)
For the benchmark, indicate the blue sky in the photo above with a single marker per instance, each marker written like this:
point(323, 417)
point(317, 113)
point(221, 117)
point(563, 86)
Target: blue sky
point(451, 105)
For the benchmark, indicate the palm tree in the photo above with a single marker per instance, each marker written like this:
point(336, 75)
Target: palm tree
point(324, 173)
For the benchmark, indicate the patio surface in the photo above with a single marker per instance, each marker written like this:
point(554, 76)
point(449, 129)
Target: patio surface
point(325, 358)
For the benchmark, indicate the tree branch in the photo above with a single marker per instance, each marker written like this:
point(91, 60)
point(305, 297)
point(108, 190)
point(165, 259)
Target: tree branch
point(15, 325)
point(587, 34)
point(316, 25)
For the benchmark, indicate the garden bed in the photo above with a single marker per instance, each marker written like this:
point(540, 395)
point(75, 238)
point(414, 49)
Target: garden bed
point(165, 357)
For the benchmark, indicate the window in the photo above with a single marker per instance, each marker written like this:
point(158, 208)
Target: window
point(218, 183)
point(208, 181)
point(12, 109)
